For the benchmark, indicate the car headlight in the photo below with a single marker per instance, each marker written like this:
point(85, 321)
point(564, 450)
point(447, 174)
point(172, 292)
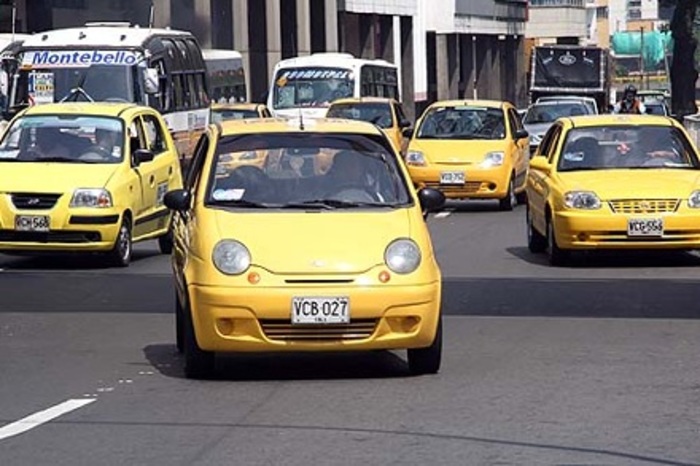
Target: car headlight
point(493, 159)
point(694, 200)
point(415, 158)
point(582, 200)
point(402, 256)
point(231, 257)
point(96, 197)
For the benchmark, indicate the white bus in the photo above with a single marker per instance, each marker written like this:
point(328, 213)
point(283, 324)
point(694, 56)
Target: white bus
point(309, 84)
point(227, 82)
point(116, 62)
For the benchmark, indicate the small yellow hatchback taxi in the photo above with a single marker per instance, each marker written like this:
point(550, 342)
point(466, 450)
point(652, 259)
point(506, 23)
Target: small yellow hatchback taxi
point(86, 177)
point(386, 113)
point(238, 111)
point(471, 150)
point(324, 247)
point(613, 182)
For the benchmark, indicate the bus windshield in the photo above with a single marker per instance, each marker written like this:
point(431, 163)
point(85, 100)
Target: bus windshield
point(99, 82)
point(311, 86)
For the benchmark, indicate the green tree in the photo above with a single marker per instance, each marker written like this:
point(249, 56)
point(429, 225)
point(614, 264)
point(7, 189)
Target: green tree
point(685, 27)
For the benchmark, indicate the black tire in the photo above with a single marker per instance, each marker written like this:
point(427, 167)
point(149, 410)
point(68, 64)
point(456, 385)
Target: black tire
point(536, 241)
point(427, 360)
point(120, 255)
point(557, 257)
point(165, 243)
point(522, 197)
point(510, 200)
point(199, 364)
point(179, 325)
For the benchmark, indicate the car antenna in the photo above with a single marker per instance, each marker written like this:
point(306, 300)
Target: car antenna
point(151, 16)
point(301, 120)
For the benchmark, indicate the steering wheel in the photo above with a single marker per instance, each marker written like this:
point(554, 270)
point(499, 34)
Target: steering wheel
point(116, 99)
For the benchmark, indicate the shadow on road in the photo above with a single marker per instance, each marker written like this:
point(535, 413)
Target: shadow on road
point(286, 366)
point(71, 262)
point(486, 205)
point(614, 259)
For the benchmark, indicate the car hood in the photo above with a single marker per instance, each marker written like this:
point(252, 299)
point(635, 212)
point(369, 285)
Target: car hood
point(53, 177)
point(445, 151)
point(537, 129)
point(309, 243)
point(634, 184)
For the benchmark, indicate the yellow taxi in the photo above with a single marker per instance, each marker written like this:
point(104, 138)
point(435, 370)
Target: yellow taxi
point(386, 113)
point(238, 111)
point(613, 182)
point(86, 177)
point(324, 247)
point(475, 149)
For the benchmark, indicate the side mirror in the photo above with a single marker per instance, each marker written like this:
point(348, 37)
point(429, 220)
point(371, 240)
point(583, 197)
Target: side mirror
point(540, 163)
point(178, 199)
point(404, 124)
point(431, 200)
point(521, 134)
point(407, 132)
point(142, 156)
point(150, 80)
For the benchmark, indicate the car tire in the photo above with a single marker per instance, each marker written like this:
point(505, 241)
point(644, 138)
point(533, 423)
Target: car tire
point(557, 257)
point(536, 241)
point(199, 364)
point(179, 325)
point(427, 360)
point(120, 255)
point(510, 200)
point(521, 197)
point(165, 242)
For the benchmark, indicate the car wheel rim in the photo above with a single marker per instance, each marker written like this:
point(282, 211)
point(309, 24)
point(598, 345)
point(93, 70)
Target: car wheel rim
point(124, 243)
point(513, 198)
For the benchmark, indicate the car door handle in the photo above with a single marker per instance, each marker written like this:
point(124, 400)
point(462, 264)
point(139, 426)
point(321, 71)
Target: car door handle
point(152, 180)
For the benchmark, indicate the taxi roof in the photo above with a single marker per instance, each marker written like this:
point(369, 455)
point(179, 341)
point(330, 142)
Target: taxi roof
point(113, 109)
point(236, 106)
point(469, 103)
point(356, 100)
point(619, 120)
point(292, 125)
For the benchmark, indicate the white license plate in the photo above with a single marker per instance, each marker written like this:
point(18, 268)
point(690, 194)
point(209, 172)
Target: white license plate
point(645, 227)
point(326, 310)
point(452, 178)
point(32, 223)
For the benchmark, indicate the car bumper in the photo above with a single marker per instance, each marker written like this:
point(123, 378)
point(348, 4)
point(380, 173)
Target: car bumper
point(585, 230)
point(245, 319)
point(75, 230)
point(479, 183)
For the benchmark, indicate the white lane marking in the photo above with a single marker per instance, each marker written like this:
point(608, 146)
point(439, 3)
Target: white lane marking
point(42, 417)
point(443, 214)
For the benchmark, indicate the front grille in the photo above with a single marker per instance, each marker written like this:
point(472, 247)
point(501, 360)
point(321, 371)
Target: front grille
point(468, 187)
point(34, 201)
point(285, 331)
point(69, 237)
point(644, 206)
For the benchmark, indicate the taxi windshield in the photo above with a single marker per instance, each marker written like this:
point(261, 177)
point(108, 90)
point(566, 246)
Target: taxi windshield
point(306, 171)
point(463, 122)
point(627, 147)
point(225, 114)
point(63, 138)
point(375, 113)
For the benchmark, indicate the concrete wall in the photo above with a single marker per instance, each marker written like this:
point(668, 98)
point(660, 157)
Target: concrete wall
point(552, 22)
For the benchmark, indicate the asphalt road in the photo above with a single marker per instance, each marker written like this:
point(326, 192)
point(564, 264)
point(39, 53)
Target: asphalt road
point(595, 364)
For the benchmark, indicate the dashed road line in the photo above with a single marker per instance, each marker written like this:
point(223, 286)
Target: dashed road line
point(42, 417)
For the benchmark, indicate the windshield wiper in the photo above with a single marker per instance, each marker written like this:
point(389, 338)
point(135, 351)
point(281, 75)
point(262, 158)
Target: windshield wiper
point(334, 204)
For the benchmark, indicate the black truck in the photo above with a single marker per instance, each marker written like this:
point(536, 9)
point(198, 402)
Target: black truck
point(572, 70)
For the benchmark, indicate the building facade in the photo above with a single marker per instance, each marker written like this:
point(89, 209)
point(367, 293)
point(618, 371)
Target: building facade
point(557, 22)
point(465, 48)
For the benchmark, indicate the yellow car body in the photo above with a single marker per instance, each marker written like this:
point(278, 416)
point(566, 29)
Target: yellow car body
point(238, 111)
point(388, 113)
point(85, 199)
point(297, 254)
point(642, 202)
point(462, 168)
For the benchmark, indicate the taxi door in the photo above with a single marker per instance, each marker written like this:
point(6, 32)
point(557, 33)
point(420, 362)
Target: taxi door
point(521, 148)
point(147, 173)
point(166, 168)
